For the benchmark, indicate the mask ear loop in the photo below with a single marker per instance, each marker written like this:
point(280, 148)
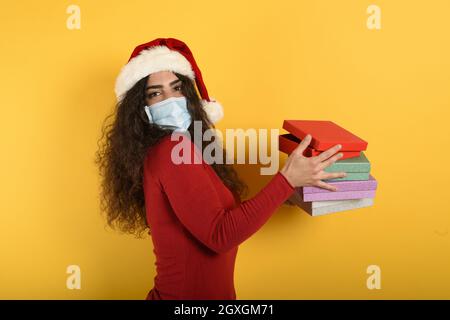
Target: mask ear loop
point(147, 111)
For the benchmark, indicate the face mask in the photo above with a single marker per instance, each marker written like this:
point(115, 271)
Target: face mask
point(171, 112)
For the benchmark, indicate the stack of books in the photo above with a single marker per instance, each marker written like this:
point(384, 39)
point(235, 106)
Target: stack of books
point(355, 190)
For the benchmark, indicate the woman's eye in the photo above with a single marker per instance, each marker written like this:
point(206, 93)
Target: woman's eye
point(151, 95)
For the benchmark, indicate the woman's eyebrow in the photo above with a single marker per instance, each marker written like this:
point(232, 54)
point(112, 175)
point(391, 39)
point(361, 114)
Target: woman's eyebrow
point(160, 86)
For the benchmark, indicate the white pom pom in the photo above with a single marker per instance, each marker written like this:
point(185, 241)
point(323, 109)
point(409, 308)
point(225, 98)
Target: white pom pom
point(213, 109)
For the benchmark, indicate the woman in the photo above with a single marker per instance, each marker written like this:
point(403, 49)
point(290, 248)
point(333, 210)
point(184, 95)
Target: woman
point(193, 211)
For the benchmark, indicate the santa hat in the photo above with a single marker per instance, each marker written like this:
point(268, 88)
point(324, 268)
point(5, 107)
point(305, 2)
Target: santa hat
point(165, 54)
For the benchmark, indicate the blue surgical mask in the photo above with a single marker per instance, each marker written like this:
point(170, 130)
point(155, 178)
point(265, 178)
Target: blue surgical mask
point(171, 112)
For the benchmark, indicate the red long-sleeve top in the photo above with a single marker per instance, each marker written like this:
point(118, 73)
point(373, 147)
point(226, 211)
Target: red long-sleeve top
point(197, 224)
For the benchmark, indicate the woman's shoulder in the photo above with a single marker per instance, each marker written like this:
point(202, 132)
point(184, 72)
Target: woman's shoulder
point(163, 143)
point(163, 150)
point(155, 151)
point(167, 143)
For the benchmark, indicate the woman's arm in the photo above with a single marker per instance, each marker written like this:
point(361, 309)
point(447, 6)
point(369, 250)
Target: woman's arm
point(196, 203)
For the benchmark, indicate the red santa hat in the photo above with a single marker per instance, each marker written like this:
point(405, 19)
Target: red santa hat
point(165, 54)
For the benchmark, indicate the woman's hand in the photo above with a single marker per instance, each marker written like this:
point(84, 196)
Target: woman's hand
point(302, 171)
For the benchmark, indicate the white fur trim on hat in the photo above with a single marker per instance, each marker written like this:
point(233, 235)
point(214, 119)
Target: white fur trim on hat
point(213, 109)
point(157, 58)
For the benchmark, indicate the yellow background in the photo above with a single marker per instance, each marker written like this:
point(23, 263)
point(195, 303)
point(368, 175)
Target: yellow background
point(264, 61)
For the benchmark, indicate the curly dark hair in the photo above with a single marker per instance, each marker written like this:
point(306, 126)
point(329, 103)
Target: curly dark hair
point(123, 146)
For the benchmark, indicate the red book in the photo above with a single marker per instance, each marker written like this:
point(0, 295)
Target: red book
point(324, 134)
point(287, 143)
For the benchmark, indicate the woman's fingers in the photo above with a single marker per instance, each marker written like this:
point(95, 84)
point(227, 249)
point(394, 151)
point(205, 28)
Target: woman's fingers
point(302, 145)
point(302, 171)
point(328, 153)
point(330, 161)
point(333, 175)
point(327, 186)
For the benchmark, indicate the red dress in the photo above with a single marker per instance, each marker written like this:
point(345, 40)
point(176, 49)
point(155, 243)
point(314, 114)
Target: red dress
point(197, 224)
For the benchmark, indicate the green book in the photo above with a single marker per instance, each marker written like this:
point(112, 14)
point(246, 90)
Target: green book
point(351, 165)
point(351, 176)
